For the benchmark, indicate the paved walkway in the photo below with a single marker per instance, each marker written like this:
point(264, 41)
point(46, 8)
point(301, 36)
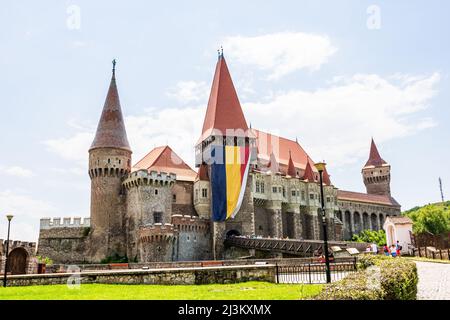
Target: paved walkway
point(434, 281)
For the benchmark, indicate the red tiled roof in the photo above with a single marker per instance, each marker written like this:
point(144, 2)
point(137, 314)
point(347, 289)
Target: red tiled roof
point(164, 159)
point(367, 198)
point(111, 128)
point(224, 110)
point(267, 144)
point(374, 156)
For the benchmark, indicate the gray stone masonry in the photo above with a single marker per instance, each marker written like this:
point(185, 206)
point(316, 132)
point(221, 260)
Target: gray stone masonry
point(186, 276)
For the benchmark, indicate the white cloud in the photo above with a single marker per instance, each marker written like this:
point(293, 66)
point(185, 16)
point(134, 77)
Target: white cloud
point(16, 171)
point(280, 53)
point(27, 211)
point(335, 123)
point(189, 91)
point(177, 127)
point(74, 148)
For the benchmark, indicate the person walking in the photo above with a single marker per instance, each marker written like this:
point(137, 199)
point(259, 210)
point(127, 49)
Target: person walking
point(393, 251)
point(398, 248)
point(374, 248)
point(386, 250)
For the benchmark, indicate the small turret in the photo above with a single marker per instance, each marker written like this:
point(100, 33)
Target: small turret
point(376, 173)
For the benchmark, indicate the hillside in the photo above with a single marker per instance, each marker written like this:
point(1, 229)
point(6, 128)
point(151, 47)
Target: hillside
point(434, 217)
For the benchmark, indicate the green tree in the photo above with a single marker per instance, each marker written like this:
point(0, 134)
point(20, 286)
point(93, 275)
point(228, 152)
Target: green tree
point(371, 236)
point(434, 218)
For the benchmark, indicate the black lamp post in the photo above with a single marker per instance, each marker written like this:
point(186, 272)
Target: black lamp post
point(320, 166)
point(9, 217)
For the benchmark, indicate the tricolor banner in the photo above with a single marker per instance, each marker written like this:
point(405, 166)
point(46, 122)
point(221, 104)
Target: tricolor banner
point(228, 180)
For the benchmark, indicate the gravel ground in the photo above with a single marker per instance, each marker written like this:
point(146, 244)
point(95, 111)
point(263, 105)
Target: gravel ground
point(434, 281)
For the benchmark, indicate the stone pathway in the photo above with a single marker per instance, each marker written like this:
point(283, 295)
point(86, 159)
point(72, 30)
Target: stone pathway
point(434, 281)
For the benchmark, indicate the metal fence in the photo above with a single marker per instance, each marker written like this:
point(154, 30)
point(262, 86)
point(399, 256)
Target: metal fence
point(315, 272)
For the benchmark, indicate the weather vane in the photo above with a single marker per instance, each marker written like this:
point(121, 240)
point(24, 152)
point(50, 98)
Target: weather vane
point(114, 66)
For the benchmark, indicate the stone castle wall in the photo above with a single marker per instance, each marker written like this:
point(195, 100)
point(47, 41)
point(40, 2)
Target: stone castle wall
point(29, 248)
point(194, 238)
point(182, 198)
point(178, 276)
point(64, 240)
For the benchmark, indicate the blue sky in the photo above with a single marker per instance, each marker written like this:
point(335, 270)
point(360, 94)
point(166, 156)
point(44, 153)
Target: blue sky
point(312, 69)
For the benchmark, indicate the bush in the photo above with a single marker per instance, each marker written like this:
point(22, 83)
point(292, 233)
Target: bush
point(377, 278)
point(370, 236)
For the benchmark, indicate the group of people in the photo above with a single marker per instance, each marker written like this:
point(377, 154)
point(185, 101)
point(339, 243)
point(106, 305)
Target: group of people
point(394, 250)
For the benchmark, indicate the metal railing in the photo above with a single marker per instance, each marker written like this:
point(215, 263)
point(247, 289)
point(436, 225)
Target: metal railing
point(302, 248)
point(315, 272)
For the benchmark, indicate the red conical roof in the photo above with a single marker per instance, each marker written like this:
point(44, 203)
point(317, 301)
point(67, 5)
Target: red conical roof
point(291, 168)
point(326, 177)
point(164, 159)
point(309, 175)
point(224, 110)
point(111, 131)
point(273, 164)
point(374, 157)
point(202, 174)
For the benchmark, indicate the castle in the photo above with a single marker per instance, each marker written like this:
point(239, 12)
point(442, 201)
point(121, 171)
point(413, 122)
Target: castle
point(159, 209)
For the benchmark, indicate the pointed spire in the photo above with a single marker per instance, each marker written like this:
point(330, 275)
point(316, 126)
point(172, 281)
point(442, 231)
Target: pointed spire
point(374, 156)
point(326, 177)
point(273, 165)
point(224, 110)
point(309, 174)
point(291, 168)
point(111, 131)
point(202, 174)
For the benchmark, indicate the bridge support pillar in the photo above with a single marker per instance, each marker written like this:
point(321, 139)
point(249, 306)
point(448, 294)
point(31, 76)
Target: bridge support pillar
point(298, 228)
point(218, 239)
point(276, 223)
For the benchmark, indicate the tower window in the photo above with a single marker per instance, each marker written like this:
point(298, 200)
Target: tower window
point(120, 161)
point(109, 160)
point(157, 217)
point(274, 189)
point(293, 193)
point(174, 198)
point(156, 191)
point(204, 193)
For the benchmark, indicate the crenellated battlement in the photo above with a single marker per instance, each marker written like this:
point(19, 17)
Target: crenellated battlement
point(157, 232)
point(190, 223)
point(143, 177)
point(65, 222)
point(13, 244)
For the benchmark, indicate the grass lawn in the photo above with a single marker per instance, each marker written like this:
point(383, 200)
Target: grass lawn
point(237, 291)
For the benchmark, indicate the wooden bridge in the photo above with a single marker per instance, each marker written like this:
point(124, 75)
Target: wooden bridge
point(303, 248)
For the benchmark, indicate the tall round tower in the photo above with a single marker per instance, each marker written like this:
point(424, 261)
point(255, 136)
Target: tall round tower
point(377, 173)
point(109, 163)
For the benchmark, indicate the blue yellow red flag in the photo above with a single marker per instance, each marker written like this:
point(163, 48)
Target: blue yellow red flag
point(228, 180)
